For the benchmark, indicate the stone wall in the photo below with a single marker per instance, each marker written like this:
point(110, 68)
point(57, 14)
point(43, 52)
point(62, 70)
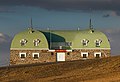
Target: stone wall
point(46, 56)
point(76, 54)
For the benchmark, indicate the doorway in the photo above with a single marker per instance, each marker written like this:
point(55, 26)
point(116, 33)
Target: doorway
point(61, 56)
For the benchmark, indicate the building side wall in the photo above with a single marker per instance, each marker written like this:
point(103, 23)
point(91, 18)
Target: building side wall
point(46, 56)
point(76, 54)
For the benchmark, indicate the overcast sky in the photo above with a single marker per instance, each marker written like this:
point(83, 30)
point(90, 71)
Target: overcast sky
point(58, 14)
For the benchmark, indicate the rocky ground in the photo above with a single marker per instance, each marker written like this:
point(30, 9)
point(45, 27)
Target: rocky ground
point(94, 70)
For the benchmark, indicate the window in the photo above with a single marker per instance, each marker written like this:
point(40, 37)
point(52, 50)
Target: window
point(68, 53)
point(85, 42)
point(52, 53)
point(36, 42)
point(23, 42)
point(97, 54)
point(84, 54)
point(35, 55)
point(22, 55)
point(98, 42)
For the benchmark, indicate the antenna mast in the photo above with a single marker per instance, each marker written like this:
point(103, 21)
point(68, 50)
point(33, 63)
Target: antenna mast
point(31, 27)
point(90, 24)
point(31, 24)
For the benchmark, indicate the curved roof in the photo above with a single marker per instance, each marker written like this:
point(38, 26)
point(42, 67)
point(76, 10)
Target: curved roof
point(76, 36)
point(51, 36)
point(92, 37)
point(30, 35)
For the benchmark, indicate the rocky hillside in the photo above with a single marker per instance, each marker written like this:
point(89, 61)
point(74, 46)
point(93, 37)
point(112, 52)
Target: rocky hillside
point(94, 70)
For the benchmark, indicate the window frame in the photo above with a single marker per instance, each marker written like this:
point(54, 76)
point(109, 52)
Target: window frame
point(23, 42)
point(84, 53)
point(100, 54)
point(36, 42)
point(98, 41)
point(97, 44)
point(21, 54)
point(85, 41)
point(37, 55)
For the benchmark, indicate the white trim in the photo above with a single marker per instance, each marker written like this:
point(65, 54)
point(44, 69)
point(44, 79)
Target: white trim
point(69, 50)
point(34, 54)
point(29, 49)
point(54, 50)
point(84, 53)
point(51, 50)
point(20, 55)
point(97, 53)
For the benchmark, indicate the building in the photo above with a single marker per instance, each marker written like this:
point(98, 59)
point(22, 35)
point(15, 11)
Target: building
point(36, 46)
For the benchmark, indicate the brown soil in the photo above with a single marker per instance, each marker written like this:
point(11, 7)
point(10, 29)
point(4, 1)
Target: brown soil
point(94, 70)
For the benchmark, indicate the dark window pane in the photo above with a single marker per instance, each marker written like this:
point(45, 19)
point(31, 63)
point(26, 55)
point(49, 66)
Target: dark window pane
point(52, 53)
point(22, 43)
point(22, 55)
point(97, 55)
point(84, 55)
point(84, 43)
point(97, 44)
point(35, 56)
point(68, 53)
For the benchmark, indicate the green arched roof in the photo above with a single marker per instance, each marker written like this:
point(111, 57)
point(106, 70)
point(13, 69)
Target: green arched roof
point(92, 37)
point(29, 35)
point(46, 37)
point(75, 36)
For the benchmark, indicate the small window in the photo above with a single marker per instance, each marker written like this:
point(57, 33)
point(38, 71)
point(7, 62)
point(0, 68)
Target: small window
point(84, 54)
point(52, 53)
point(35, 55)
point(68, 53)
point(97, 54)
point(23, 42)
point(98, 42)
point(22, 55)
point(85, 42)
point(36, 42)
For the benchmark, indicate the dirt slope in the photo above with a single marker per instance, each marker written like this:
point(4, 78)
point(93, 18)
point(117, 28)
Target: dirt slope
point(95, 70)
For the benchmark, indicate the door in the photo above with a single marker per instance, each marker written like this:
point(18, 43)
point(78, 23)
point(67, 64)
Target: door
point(60, 56)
